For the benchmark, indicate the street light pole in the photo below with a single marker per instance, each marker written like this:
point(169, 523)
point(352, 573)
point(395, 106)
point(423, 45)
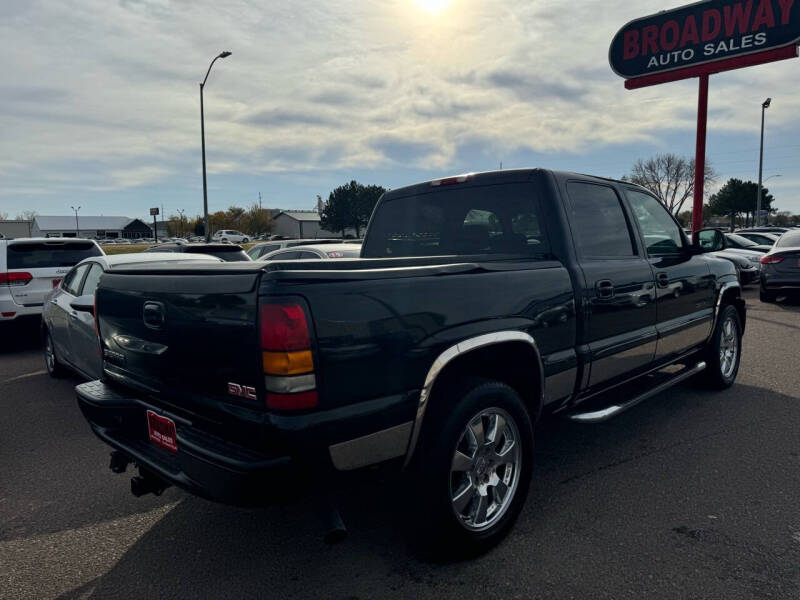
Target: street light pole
point(77, 226)
point(225, 54)
point(764, 108)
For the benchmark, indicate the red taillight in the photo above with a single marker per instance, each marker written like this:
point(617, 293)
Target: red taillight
point(286, 357)
point(284, 327)
point(771, 259)
point(16, 278)
point(452, 180)
point(299, 401)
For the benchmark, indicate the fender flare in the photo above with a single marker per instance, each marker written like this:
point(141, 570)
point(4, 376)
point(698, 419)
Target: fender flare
point(456, 351)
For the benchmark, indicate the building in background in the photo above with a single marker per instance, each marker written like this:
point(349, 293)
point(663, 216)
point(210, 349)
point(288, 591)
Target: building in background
point(91, 227)
point(300, 224)
point(16, 229)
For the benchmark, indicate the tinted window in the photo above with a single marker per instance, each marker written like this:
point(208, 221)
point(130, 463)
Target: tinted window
point(598, 222)
point(286, 256)
point(92, 279)
point(740, 241)
point(41, 255)
point(660, 231)
point(257, 251)
point(72, 281)
point(496, 219)
point(307, 254)
point(226, 253)
point(789, 239)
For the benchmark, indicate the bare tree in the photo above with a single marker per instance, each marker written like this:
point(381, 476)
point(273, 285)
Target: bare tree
point(3, 216)
point(670, 177)
point(27, 215)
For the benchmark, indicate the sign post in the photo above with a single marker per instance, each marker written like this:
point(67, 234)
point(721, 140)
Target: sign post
point(700, 40)
point(154, 214)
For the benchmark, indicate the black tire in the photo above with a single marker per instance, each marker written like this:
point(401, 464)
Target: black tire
point(445, 534)
point(245, 240)
point(768, 297)
point(54, 368)
point(719, 373)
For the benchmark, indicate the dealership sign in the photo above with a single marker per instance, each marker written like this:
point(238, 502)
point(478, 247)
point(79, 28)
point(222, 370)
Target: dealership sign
point(703, 33)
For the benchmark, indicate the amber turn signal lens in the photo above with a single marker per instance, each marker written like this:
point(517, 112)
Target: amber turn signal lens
point(288, 363)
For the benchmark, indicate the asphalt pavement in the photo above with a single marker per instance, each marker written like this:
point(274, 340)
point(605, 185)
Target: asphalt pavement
point(693, 494)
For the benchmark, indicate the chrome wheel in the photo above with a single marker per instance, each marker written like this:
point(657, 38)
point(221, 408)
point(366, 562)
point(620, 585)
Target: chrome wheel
point(728, 347)
point(484, 470)
point(49, 354)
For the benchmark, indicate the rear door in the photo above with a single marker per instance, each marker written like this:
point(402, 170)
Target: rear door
point(47, 261)
point(82, 336)
point(684, 282)
point(619, 291)
point(61, 312)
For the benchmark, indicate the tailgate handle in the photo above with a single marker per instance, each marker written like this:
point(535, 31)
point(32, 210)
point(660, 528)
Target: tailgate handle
point(153, 315)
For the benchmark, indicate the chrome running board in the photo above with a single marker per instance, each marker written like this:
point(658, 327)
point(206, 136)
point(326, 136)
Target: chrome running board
point(603, 414)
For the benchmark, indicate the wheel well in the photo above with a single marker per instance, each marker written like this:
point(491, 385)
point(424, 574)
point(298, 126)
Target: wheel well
point(734, 298)
point(516, 364)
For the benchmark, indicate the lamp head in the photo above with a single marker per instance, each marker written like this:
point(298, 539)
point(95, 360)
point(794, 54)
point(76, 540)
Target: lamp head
point(225, 54)
point(767, 102)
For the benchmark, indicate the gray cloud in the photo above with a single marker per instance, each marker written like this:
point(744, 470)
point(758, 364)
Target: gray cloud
point(400, 150)
point(279, 117)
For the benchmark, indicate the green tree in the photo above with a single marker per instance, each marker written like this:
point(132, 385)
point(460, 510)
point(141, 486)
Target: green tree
point(350, 205)
point(670, 177)
point(738, 198)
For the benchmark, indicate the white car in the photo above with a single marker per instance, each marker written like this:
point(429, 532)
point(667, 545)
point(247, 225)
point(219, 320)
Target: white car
point(323, 251)
point(68, 333)
point(30, 268)
point(230, 235)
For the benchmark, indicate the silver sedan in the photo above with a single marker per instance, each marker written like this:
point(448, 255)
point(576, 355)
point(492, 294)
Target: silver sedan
point(68, 332)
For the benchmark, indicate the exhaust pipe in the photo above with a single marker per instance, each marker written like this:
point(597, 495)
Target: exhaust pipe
point(147, 483)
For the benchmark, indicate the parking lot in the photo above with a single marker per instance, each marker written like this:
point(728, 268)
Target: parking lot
point(692, 494)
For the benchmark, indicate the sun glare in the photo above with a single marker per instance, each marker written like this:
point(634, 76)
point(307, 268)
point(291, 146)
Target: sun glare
point(434, 7)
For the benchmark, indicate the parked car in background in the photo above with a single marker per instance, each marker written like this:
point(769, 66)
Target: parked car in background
point(747, 262)
point(260, 250)
point(69, 339)
point(762, 238)
point(31, 267)
point(739, 242)
point(780, 268)
point(230, 235)
point(764, 229)
point(227, 252)
point(324, 251)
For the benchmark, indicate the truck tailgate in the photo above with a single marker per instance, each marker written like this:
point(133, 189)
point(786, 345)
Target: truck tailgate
point(182, 335)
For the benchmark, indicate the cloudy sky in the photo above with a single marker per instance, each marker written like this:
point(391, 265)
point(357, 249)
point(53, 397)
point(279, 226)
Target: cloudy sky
point(99, 100)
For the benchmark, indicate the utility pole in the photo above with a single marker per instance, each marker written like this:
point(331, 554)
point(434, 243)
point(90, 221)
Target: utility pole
point(259, 201)
point(180, 212)
point(77, 226)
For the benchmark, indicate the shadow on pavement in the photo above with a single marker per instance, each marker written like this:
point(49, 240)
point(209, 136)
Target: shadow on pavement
point(604, 500)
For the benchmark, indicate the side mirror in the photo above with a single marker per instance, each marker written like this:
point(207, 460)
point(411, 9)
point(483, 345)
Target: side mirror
point(710, 240)
point(83, 304)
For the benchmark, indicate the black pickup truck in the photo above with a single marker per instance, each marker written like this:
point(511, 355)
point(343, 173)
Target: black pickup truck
point(479, 303)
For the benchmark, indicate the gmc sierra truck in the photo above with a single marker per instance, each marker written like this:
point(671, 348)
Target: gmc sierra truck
point(479, 303)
